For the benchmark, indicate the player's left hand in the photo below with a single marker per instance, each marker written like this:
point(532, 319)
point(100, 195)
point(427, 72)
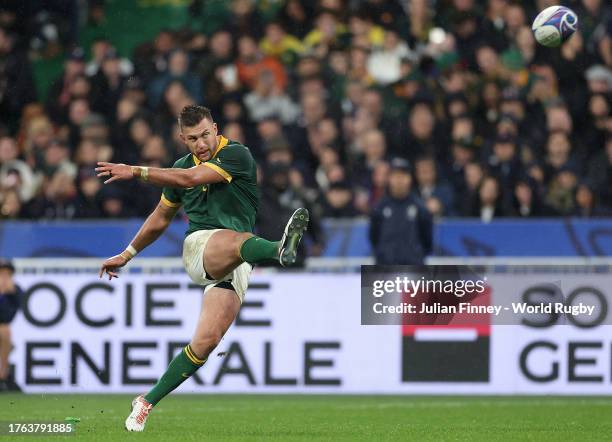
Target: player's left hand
point(112, 265)
point(115, 171)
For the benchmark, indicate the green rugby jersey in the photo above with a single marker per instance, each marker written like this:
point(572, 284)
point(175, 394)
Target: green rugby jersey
point(227, 205)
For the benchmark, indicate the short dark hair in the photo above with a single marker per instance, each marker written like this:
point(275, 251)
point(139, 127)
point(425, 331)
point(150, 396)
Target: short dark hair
point(7, 264)
point(192, 114)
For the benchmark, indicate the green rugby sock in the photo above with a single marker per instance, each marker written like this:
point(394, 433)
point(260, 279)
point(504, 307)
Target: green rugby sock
point(180, 369)
point(255, 250)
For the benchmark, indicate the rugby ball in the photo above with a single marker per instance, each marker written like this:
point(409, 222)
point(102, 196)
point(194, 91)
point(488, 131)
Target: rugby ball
point(554, 25)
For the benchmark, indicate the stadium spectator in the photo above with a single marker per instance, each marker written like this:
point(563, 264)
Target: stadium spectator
point(514, 20)
point(600, 173)
point(488, 204)
point(114, 203)
point(527, 201)
point(364, 32)
point(373, 103)
point(384, 12)
point(558, 155)
point(463, 151)
point(373, 149)
point(234, 131)
point(561, 191)
point(79, 110)
point(420, 18)
point(338, 200)
point(593, 15)
point(423, 137)
point(280, 44)
point(328, 158)
point(16, 80)
point(178, 70)
point(504, 164)
point(586, 205)
point(328, 32)
point(10, 299)
point(59, 96)
point(296, 15)
point(88, 192)
point(151, 58)
point(108, 84)
point(596, 128)
point(251, 61)
point(15, 173)
point(380, 181)
point(175, 96)
point(267, 100)
point(280, 196)
point(216, 68)
point(401, 214)
point(436, 194)
point(139, 130)
point(245, 18)
point(99, 50)
point(10, 204)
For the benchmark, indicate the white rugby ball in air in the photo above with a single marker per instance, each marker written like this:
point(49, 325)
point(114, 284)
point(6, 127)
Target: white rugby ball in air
point(554, 25)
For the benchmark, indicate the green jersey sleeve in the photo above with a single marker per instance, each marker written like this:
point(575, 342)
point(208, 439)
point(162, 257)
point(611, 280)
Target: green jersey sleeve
point(171, 196)
point(232, 162)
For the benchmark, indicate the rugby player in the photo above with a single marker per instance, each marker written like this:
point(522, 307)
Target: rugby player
point(216, 183)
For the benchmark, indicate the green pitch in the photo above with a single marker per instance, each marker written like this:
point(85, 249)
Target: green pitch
point(332, 418)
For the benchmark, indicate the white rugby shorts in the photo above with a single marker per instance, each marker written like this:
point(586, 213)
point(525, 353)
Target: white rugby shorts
point(193, 260)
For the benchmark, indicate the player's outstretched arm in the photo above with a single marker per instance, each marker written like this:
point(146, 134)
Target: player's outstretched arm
point(172, 177)
point(157, 222)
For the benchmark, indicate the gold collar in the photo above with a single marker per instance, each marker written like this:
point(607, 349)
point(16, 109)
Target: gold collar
point(221, 143)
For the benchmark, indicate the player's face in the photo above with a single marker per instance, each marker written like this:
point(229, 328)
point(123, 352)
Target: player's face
point(201, 139)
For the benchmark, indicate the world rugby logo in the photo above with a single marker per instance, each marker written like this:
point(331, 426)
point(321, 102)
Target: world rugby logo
point(568, 24)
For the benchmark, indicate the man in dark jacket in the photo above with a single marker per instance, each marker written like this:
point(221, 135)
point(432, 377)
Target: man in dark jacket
point(10, 294)
point(400, 226)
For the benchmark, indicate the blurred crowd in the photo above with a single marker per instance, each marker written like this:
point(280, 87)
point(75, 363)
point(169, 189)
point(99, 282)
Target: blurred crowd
point(328, 94)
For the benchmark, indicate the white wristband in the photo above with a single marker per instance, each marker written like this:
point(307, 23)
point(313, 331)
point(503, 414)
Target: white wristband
point(131, 250)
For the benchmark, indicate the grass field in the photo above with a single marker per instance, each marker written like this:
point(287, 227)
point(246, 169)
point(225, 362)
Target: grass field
point(333, 418)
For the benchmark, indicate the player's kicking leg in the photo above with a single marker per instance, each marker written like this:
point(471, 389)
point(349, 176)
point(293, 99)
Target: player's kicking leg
point(224, 251)
point(294, 230)
point(227, 249)
point(219, 309)
point(255, 250)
